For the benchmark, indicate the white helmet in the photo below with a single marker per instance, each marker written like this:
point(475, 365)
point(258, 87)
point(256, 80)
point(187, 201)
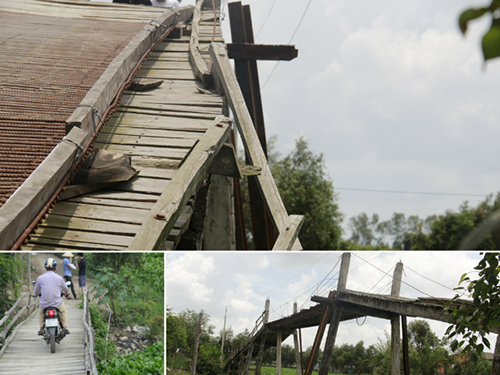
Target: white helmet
point(50, 264)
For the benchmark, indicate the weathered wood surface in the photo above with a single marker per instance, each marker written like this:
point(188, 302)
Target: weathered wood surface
point(157, 129)
point(28, 354)
point(223, 72)
point(162, 217)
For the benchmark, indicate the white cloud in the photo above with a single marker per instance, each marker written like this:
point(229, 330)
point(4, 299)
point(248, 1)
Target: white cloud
point(240, 298)
point(187, 276)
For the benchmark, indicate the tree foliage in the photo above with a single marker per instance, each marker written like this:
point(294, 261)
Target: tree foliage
point(307, 190)
point(473, 322)
point(11, 267)
point(491, 39)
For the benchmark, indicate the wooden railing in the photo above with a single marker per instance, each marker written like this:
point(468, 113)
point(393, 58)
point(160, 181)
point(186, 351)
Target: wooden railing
point(225, 80)
point(13, 315)
point(88, 337)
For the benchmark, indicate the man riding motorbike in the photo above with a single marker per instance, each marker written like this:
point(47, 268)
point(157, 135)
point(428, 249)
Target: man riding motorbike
point(49, 287)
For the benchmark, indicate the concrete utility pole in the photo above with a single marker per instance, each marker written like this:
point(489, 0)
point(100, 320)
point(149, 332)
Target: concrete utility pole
point(196, 343)
point(223, 337)
point(296, 344)
point(395, 325)
point(336, 315)
point(260, 357)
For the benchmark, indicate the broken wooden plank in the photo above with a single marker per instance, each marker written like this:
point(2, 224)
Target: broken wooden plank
point(162, 217)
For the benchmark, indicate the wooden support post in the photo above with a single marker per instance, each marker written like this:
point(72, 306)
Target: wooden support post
point(196, 343)
point(298, 352)
point(249, 359)
point(395, 324)
point(279, 337)
point(248, 79)
point(260, 356)
point(406, 354)
point(319, 336)
point(335, 319)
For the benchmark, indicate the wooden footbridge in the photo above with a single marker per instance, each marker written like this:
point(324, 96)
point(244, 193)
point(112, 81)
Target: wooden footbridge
point(24, 352)
point(340, 305)
point(150, 139)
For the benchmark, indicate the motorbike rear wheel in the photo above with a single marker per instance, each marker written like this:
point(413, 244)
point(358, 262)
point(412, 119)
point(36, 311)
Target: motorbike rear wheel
point(52, 342)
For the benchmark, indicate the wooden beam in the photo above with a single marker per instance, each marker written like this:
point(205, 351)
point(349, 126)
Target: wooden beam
point(250, 51)
point(164, 214)
point(223, 71)
point(288, 234)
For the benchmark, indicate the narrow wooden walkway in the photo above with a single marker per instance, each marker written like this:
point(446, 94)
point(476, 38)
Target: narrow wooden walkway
point(158, 129)
point(28, 354)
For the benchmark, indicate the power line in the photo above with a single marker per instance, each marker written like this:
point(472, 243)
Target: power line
point(290, 41)
point(265, 21)
point(410, 192)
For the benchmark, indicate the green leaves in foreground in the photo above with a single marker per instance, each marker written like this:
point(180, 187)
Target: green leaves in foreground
point(147, 362)
point(491, 40)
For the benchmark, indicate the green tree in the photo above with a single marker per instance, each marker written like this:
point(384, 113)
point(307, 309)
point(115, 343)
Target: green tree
point(11, 268)
point(307, 190)
point(471, 322)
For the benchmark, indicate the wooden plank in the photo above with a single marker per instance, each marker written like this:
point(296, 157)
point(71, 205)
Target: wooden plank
point(223, 71)
point(166, 65)
point(288, 235)
point(186, 75)
point(116, 214)
point(157, 112)
point(171, 46)
point(200, 66)
point(141, 162)
point(113, 202)
point(57, 236)
point(148, 132)
point(162, 217)
point(158, 152)
point(82, 224)
point(245, 51)
point(143, 185)
point(145, 140)
point(191, 97)
point(145, 102)
point(137, 120)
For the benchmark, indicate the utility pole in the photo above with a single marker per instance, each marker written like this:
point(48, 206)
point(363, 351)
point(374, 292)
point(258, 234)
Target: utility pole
point(196, 343)
point(395, 324)
point(223, 337)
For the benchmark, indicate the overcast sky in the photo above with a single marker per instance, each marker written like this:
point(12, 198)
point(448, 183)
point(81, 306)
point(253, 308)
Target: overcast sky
point(242, 282)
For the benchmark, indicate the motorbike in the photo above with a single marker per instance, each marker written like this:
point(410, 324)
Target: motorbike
point(53, 331)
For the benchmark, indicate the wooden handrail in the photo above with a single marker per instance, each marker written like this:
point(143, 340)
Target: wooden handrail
point(288, 227)
point(88, 337)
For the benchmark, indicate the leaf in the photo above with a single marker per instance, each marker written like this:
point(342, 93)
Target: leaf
point(469, 15)
point(491, 41)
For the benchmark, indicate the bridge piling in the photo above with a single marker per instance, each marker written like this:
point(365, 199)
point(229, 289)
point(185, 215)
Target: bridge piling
point(260, 357)
point(298, 352)
point(337, 314)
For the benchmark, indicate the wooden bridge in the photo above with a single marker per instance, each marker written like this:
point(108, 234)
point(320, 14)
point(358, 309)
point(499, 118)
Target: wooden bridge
point(341, 305)
point(160, 112)
point(27, 353)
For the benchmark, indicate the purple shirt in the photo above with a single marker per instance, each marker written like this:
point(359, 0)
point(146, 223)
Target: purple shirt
point(50, 285)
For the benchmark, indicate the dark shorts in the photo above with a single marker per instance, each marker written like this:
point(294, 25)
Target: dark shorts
point(81, 281)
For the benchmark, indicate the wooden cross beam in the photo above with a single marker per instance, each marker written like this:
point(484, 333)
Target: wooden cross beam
point(246, 53)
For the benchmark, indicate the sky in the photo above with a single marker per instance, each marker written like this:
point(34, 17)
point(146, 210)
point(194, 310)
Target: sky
point(392, 95)
point(241, 281)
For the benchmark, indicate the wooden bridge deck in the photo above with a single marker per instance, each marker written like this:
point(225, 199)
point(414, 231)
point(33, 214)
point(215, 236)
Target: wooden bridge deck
point(158, 129)
point(28, 353)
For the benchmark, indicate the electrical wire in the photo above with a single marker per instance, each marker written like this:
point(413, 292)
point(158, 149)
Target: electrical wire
point(265, 21)
point(410, 192)
point(290, 41)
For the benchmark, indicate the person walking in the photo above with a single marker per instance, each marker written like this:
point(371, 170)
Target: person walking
point(49, 286)
point(82, 271)
point(67, 267)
